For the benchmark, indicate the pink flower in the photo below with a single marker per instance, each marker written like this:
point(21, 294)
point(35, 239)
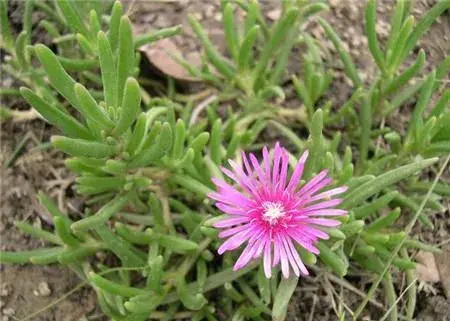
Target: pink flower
point(271, 214)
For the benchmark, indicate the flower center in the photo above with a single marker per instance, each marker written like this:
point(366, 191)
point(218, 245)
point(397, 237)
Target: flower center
point(272, 212)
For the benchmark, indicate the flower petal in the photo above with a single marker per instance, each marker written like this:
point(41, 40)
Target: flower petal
point(298, 172)
point(316, 180)
point(234, 242)
point(245, 256)
point(326, 212)
point(232, 231)
point(321, 205)
point(290, 257)
point(231, 221)
point(231, 209)
point(297, 258)
point(323, 221)
point(266, 162)
point(327, 194)
point(284, 260)
point(267, 259)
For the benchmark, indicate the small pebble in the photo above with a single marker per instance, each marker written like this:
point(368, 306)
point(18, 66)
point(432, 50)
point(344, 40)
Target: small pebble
point(5, 289)
point(42, 290)
point(9, 312)
point(198, 15)
point(209, 11)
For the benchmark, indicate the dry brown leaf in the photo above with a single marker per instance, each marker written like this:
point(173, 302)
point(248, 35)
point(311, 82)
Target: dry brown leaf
point(443, 265)
point(274, 14)
point(158, 55)
point(427, 270)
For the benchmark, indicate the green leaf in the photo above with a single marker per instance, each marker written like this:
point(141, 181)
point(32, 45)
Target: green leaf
point(157, 150)
point(215, 143)
point(143, 305)
point(442, 71)
point(396, 55)
point(245, 51)
point(74, 64)
point(263, 286)
point(114, 287)
point(366, 129)
point(219, 62)
point(284, 293)
point(387, 179)
point(37, 232)
point(199, 142)
point(279, 34)
point(5, 30)
point(62, 227)
point(129, 255)
point(438, 148)
point(416, 122)
point(91, 185)
point(66, 123)
point(192, 301)
point(20, 49)
point(149, 38)
point(212, 282)
point(352, 228)
point(91, 109)
point(440, 107)
point(254, 16)
point(156, 273)
point(178, 143)
point(396, 24)
point(231, 36)
point(303, 94)
point(289, 134)
point(114, 25)
point(190, 184)
point(135, 236)
point(72, 17)
point(131, 105)
point(108, 68)
point(442, 130)
point(81, 147)
point(384, 221)
point(95, 24)
point(102, 215)
point(374, 46)
point(349, 66)
point(51, 207)
point(25, 256)
point(58, 77)
point(176, 244)
point(414, 244)
point(85, 45)
point(368, 209)
point(140, 131)
point(402, 79)
point(332, 259)
point(125, 58)
point(424, 24)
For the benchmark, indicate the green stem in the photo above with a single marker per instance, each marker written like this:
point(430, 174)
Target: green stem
point(396, 250)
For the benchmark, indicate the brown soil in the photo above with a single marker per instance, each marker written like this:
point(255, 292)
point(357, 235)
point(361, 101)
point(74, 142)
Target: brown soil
point(43, 170)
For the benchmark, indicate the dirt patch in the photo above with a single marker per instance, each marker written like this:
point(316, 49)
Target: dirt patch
point(40, 286)
point(27, 289)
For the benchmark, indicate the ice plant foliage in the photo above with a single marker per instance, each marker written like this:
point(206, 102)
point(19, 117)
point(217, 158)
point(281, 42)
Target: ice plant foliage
point(273, 213)
point(140, 158)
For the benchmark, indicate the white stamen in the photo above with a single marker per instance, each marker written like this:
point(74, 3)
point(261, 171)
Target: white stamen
point(272, 212)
